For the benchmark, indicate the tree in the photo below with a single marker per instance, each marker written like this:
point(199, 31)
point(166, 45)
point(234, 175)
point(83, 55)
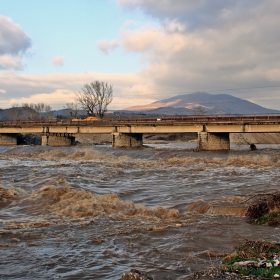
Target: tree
point(73, 109)
point(199, 110)
point(39, 111)
point(95, 97)
point(48, 114)
point(30, 112)
point(14, 112)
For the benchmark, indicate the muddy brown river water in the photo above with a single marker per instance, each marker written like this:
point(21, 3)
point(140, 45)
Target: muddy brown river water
point(92, 212)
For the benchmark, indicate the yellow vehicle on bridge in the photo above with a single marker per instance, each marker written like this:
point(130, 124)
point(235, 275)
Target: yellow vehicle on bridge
point(89, 119)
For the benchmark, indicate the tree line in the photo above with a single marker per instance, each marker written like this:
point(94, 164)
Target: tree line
point(30, 111)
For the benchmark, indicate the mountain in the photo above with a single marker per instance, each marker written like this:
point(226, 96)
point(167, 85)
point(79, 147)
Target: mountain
point(210, 103)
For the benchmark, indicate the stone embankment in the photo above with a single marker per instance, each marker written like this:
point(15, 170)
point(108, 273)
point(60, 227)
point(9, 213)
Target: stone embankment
point(256, 138)
point(36, 139)
point(99, 139)
point(92, 138)
point(235, 138)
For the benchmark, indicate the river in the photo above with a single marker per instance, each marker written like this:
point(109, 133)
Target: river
point(93, 212)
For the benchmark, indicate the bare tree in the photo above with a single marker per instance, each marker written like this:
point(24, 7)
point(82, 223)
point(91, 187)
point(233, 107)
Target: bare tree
point(30, 111)
point(39, 108)
point(37, 111)
point(95, 97)
point(14, 112)
point(199, 110)
point(73, 109)
point(48, 112)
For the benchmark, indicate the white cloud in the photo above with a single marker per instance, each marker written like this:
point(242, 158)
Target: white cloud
point(139, 40)
point(59, 96)
point(58, 61)
point(9, 61)
point(14, 42)
point(2, 91)
point(106, 46)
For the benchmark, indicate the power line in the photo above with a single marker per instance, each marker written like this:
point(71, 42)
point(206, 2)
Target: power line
point(246, 88)
point(214, 90)
point(128, 104)
point(262, 99)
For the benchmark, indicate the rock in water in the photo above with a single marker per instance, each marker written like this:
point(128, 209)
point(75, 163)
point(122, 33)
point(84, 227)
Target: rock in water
point(136, 274)
point(253, 147)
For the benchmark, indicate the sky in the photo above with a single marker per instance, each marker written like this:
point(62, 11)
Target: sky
point(148, 50)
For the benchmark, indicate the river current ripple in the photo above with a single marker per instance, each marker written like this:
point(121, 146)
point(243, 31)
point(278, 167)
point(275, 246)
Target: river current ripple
point(93, 212)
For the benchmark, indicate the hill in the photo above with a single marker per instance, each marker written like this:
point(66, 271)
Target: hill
point(211, 103)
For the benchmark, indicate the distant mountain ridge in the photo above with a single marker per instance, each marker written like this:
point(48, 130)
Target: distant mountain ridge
point(212, 104)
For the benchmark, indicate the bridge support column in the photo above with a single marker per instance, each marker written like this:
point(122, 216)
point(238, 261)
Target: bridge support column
point(213, 141)
point(58, 140)
point(7, 139)
point(127, 140)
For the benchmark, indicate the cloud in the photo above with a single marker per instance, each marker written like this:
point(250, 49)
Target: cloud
point(56, 97)
point(206, 45)
point(2, 91)
point(174, 26)
point(156, 41)
point(106, 46)
point(195, 14)
point(58, 89)
point(139, 40)
point(9, 61)
point(14, 42)
point(58, 61)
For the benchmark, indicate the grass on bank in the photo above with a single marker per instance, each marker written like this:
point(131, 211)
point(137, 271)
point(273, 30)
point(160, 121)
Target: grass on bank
point(255, 251)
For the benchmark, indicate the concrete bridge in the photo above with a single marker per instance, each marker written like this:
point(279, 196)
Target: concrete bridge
point(213, 131)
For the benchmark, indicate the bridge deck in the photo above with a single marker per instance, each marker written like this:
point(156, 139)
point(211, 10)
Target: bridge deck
point(182, 124)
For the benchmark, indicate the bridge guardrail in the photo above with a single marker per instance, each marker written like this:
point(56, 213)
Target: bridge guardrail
point(199, 119)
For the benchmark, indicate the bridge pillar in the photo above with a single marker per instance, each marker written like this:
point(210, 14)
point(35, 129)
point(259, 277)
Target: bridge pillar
point(7, 139)
point(127, 140)
point(58, 140)
point(213, 141)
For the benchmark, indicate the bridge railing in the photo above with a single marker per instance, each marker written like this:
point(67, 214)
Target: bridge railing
point(204, 118)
